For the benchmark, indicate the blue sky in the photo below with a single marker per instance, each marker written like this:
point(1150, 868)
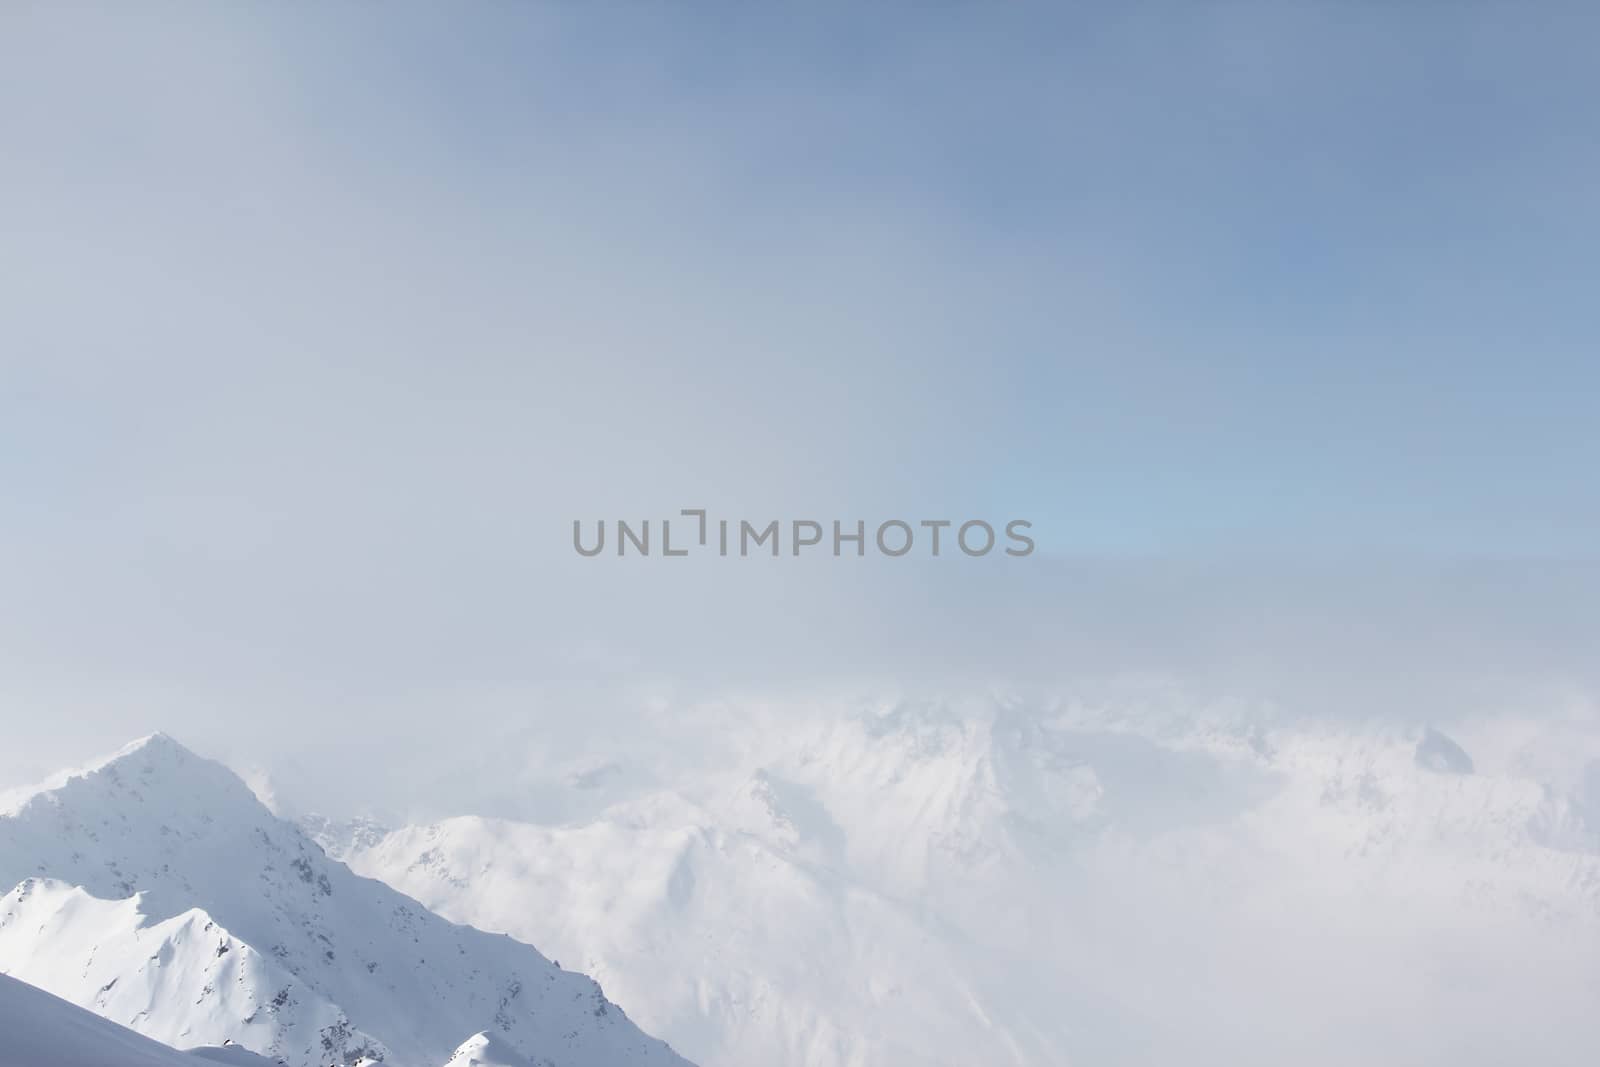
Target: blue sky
point(1265, 277)
point(319, 328)
point(1268, 277)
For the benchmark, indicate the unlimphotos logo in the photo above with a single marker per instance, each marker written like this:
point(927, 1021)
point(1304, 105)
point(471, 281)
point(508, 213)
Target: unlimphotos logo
point(741, 537)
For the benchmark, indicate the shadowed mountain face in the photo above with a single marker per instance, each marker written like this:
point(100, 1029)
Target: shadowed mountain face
point(40, 1030)
point(1436, 752)
point(158, 872)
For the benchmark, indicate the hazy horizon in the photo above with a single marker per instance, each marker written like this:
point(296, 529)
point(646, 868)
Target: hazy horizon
point(1269, 319)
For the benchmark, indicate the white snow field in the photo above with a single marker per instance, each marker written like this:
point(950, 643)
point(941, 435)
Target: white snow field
point(486, 1050)
point(913, 884)
point(154, 889)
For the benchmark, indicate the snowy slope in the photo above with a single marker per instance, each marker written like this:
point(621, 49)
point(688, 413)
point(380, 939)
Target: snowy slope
point(301, 958)
point(486, 1050)
point(59, 937)
point(917, 884)
point(40, 1030)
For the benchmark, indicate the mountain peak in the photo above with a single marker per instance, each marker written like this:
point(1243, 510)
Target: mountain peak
point(160, 746)
point(151, 756)
point(139, 810)
point(152, 768)
point(158, 740)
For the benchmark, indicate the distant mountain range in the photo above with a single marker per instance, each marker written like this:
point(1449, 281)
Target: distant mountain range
point(944, 886)
point(922, 884)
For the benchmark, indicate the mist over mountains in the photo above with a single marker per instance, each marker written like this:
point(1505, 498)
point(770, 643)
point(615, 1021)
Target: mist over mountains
point(990, 882)
point(937, 883)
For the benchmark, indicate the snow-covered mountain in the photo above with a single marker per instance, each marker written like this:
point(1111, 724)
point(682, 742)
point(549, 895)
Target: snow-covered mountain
point(153, 888)
point(40, 1030)
point(919, 884)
